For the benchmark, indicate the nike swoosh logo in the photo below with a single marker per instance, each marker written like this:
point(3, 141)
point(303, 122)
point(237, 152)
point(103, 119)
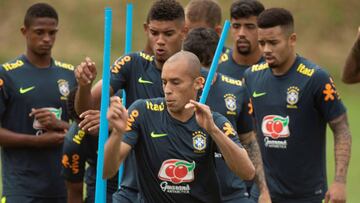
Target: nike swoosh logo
point(258, 94)
point(24, 90)
point(144, 81)
point(155, 135)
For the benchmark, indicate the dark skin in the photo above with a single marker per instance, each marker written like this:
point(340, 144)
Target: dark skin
point(40, 36)
point(351, 70)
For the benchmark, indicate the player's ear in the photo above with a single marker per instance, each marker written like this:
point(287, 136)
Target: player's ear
point(218, 29)
point(23, 30)
point(199, 83)
point(145, 25)
point(292, 39)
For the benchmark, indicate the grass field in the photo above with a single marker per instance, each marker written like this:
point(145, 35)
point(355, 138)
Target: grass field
point(325, 28)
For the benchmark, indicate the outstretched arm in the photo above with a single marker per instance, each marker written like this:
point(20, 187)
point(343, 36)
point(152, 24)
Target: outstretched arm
point(252, 147)
point(115, 150)
point(235, 157)
point(342, 142)
point(351, 69)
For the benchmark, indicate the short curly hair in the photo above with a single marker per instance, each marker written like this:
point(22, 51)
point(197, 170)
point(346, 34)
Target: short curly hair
point(207, 11)
point(40, 10)
point(203, 43)
point(273, 17)
point(246, 9)
point(166, 10)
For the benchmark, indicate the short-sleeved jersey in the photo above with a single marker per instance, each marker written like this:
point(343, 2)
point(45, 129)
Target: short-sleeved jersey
point(229, 97)
point(229, 67)
point(291, 112)
point(78, 149)
point(138, 75)
point(32, 171)
point(175, 159)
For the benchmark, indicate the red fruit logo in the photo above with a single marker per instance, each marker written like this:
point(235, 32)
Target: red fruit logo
point(275, 126)
point(177, 171)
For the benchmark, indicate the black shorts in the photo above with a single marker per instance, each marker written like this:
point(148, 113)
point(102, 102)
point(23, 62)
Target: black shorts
point(30, 199)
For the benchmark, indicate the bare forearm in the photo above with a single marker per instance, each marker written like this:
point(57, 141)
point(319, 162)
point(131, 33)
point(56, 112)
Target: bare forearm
point(12, 139)
point(342, 142)
point(112, 154)
point(235, 157)
point(62, 125)
point(252, 147)
point(83, 99)
point(351, 70)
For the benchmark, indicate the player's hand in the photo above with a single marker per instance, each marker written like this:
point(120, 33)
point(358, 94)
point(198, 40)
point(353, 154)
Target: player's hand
point(46, 119)
point(117, 115)
point(264, 197)
point(336, 193)
point(85, 73)
point(203, 115)
point(50, 138)
point(90, 122)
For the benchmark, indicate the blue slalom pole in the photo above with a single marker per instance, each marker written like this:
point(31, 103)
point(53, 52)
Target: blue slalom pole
point(100, 192)
point(128, 40)
point(215, 62)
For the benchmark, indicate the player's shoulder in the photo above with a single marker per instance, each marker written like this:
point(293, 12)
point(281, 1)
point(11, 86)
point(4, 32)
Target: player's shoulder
point(131, 59)
point(308, 68)
point(64, 65)
point(229, 81)
point(257, 68)
point(153, 104)
point(13, 64)
point(225, 56)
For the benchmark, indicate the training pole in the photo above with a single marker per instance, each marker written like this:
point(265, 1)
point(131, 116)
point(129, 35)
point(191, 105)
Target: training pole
point(100, 192)
point(128, 40)
point(215, 62)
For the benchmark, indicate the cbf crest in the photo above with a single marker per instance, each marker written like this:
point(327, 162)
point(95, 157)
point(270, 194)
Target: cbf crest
point(199, 141)
point(63, 88)
point(292, 97)
point(230, 103)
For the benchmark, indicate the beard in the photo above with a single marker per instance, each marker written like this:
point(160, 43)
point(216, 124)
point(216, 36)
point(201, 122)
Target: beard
point(241, 49)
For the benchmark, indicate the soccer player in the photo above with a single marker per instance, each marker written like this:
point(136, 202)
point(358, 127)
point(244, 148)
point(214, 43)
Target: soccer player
point(351, 70)
point(174, 139)
point(228, 97)
point(137, 73)
point(80, 147)
point(244, 32)
point(293, 100)
point(33, 93)
point(203, 13)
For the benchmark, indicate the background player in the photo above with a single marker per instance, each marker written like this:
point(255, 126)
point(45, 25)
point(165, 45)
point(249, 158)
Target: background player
point(173, 143)
point(293, 100)
point(32, 126)
point(80, 147)
point(351, 70)
point(137, 73)
point(244, 32)
point(228, 97)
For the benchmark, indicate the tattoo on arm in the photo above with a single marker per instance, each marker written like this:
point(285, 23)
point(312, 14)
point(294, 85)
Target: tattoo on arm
point(252, 147)
point(342, 142)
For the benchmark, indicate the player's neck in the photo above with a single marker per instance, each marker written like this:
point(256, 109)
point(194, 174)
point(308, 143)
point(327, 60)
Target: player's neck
point(283, 69)
point(250, 59)
point(159, 65)
point(40, 61)
point(183, 115)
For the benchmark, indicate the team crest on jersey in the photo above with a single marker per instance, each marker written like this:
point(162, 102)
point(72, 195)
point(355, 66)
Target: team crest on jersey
point(230, 103)
point(292, 97)
point(1, 83)
point(63, 88)
point(199, 142)
point(275, 127)
point(173, 172)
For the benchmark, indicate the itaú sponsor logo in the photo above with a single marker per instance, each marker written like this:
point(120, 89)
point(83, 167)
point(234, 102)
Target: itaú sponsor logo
point(275, 126)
